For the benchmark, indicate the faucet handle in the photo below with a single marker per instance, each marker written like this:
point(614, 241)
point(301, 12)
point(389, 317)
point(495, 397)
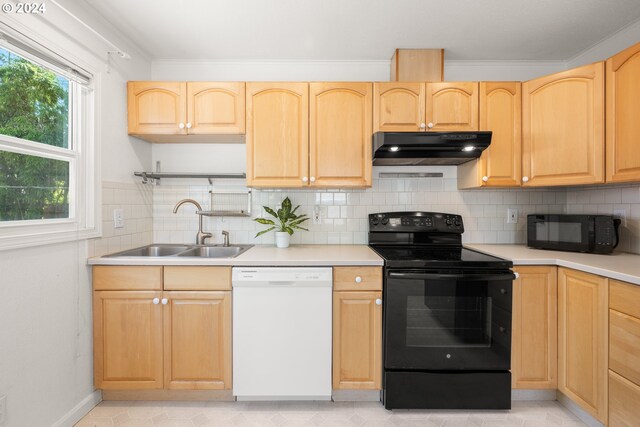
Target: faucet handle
point(225, 235)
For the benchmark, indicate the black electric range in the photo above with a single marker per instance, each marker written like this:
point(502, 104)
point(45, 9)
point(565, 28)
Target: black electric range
point(446, 315)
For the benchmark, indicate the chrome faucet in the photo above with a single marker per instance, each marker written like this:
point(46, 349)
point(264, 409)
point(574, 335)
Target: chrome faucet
point(225, 235)
point(201, 236)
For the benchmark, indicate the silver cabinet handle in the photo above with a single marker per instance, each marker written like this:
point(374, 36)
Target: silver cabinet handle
point(423, 125)
point(525, 179)
point(358, 279)
point(181, 125)
point(305, 179)
point(164, 301)
point(516, 274)
point(188, 125)
point(430, 125)
point(378, 301)
point(156, 301)
point(312, 179)
point(485, 178)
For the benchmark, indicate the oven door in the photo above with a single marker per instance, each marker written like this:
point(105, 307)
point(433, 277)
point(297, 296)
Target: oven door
point(444, 320)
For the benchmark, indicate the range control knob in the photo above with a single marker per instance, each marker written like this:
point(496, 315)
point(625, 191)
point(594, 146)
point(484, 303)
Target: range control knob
point(448, 222)
point(374, 220)
point(457, 222)
point(385, 220)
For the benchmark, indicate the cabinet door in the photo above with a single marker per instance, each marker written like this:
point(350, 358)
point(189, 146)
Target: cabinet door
point(623, 126)
point(583, 340)
point(501, 113)
point(127, 340)
point(157, 108)
point(398, 107)
point(340, 134)
point(357, 340)
point(197, 340)
point(535, 324)
point(452, 106)
point(215, 108)
point(563, 128)
point(277, 134)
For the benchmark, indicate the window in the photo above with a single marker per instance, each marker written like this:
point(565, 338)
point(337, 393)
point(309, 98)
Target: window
point(47, 178)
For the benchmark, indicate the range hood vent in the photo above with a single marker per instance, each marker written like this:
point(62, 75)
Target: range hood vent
point(428, 148)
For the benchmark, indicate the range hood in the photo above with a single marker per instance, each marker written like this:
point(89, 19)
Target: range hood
point(428, 148)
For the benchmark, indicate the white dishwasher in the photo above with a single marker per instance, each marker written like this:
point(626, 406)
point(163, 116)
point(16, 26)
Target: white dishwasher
point(282, 323)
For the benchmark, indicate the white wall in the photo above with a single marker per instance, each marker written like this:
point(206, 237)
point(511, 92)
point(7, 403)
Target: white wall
point(500, 70)
point(621, 40)
point(45, 292)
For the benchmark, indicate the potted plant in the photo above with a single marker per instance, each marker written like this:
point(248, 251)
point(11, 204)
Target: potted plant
point(285, 224)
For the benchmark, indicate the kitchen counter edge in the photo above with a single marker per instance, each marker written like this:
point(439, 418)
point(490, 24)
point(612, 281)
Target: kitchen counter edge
point(619, 266)
point(266, 256)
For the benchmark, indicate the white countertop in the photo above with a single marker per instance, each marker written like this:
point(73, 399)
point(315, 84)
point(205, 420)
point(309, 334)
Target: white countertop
point(619, 266)
point(266, 255)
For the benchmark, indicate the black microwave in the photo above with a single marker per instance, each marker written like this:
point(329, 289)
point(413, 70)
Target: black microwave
point(576, 233)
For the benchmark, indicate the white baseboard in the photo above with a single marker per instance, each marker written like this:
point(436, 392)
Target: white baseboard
point(533, 394)
point(80, 410)
point(584, 416)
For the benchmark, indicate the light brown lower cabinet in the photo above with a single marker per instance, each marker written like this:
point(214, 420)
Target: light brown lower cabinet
point(624, 354)
point(583, 340)
point(152, 340)
point(357, 340)
point(534, 352)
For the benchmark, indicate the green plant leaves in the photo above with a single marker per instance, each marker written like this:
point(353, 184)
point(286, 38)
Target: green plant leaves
point(264, 231)
point(286, 215)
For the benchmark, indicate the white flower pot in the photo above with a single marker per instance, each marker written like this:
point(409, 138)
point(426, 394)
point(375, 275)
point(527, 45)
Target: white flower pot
point(282, 239)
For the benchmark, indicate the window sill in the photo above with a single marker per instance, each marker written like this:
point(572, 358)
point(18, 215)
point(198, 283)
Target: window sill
point(40, 238)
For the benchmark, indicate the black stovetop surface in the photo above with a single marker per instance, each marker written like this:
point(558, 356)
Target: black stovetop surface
point(404, 256)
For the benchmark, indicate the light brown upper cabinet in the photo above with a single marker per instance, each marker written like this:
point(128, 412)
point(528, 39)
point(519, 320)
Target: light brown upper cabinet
point(452, 106)
point(563, 128)
point(157, 108)
point(623, 126)
point(215, 108)
point(501, 113)
point(340, 134)
point(534, 355)
point(277, 134)
point(398, 107)
point(583, 327)
point(179, 111)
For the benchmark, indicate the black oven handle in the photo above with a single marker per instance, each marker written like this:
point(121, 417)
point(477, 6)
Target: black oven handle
point(462, 276)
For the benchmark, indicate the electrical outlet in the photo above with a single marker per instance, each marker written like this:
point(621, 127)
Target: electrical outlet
point(118, 218)
point(512, 216)
point(317, 214)
point(3, 410)
point(622, 214)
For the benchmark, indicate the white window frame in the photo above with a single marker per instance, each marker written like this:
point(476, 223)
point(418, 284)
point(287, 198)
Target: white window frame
point(83, 221)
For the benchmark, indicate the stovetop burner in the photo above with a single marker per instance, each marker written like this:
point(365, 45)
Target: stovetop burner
point(437, 257)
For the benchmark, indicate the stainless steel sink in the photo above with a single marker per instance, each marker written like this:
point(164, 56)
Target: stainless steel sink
point(152, 251)
point(215, 251)
point(169, 250)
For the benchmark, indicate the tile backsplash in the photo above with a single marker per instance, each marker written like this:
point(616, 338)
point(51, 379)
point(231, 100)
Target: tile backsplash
point(610, 200)
point(136, 201)
point(343, 213)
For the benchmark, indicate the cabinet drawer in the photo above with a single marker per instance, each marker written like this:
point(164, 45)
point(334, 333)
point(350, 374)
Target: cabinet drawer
point(624, 297)
point(624, 345)
point(624, 395)
point(129, 277)
point(182, 278)
point(357, 278)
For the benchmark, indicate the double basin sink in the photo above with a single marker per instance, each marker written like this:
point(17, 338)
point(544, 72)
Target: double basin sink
point(191, 251)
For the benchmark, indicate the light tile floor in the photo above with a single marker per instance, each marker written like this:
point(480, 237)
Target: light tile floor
point(317, 414)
